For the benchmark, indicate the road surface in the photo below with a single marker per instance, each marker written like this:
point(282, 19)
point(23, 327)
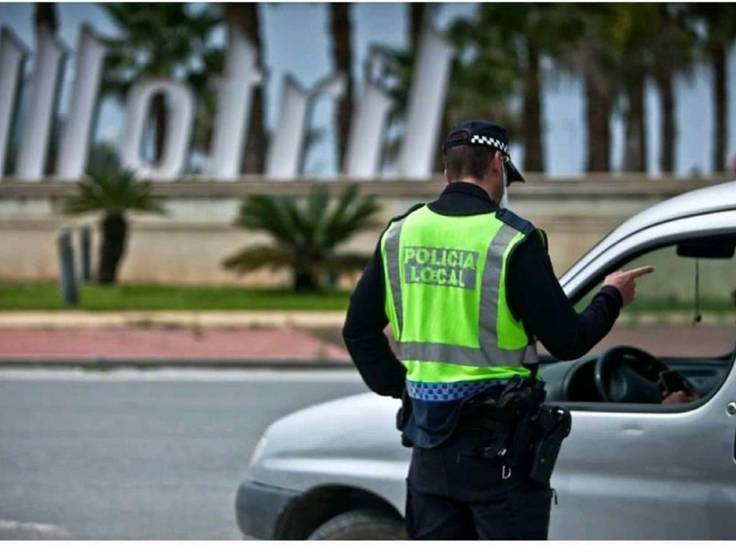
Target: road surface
point(134, 455)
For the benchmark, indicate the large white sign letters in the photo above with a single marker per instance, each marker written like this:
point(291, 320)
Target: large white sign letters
point(235, 92)
point(77, 134)
point(43, 98)
point(234, 100)
point(12, 56)
point(285, 151)
point(180, 107)
point(426, 99)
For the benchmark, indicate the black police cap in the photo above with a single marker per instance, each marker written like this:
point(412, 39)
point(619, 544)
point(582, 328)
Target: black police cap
point(484, 134)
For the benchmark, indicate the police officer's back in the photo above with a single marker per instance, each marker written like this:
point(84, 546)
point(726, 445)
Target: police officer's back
point(467, 287)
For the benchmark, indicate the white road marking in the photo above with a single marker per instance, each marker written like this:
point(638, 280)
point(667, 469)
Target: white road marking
point(43, 529)
point(174, 374)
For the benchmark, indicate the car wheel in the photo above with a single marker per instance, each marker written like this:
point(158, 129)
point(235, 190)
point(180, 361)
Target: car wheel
point(360, 525)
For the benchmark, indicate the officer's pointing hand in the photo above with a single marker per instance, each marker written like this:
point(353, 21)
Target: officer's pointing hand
point(624, 281)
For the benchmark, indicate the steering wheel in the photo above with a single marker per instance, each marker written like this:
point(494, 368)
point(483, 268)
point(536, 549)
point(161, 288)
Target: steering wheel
point(628, 374)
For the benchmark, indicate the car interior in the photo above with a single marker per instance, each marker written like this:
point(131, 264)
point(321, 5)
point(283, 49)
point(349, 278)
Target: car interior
point(631, 376)
point(693, 287)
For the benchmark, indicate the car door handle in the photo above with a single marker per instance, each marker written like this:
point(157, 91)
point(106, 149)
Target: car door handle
point(731, 408)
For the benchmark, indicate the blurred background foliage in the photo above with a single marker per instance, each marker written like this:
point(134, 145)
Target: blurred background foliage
point(306, 235)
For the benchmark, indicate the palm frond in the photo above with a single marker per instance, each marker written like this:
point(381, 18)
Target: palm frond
point(351, 214)
point(159, 40)
point(306, 232)
point(110, 188)
point(345, 262)
point(257, 257)
point(269, 214)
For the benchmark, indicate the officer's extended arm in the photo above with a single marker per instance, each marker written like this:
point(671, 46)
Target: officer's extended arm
point(537, 298)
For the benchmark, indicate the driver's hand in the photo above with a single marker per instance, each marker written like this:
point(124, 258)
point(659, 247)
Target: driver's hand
point(624, 281)
point(686, 396)
point(675, 397)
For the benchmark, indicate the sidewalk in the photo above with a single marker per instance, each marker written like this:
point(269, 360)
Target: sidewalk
point(274, 338)
point(183, 319)
point(176, 336)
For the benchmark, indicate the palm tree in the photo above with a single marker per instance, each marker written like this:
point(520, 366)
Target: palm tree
point(342, 54)
point(622, 45)
point(590, 54)
point(306, 232)
point(483, 78)
point(417, 13)
point(499, 55)
point(650, 40)
point(631, 26)
point(161, 40)
point(244, 15)
point(528, 33)
point(672, 52)
point(112, 190)
point(720, 32)
point(45, 18)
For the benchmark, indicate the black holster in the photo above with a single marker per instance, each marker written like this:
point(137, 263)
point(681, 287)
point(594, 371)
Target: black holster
point(525, 433)
point(552, 425)
point(402, 417)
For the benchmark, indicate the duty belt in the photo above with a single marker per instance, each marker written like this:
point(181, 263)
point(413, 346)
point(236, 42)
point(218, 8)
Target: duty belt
point(525, 435)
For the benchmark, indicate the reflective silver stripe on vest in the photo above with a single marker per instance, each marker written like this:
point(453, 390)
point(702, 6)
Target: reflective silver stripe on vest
point(392, 254)
point(488, 316)
point(467, 356)
point(441, 352)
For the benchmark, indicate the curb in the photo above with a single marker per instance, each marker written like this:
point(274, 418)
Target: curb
point(46, 320)
point(301, 320)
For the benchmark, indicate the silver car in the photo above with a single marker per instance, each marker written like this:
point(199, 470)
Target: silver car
point(633, 467)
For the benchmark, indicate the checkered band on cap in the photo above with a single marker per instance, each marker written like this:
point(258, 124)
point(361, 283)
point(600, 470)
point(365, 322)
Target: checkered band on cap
point(488, 141)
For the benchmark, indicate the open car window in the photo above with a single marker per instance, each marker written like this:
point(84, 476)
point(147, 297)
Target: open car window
point(666, 319)
point(684, 317)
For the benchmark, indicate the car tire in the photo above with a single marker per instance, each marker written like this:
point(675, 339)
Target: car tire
point(360, 525)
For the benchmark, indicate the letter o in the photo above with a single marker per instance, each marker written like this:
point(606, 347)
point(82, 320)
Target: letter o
point(178, 131)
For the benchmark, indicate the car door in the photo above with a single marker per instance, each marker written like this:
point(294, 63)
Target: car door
point(639, 471)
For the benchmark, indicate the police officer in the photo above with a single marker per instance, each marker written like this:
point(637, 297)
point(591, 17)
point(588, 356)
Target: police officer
point(467, 287)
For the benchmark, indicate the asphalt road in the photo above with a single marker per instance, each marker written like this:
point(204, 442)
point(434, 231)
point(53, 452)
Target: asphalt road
point(131, 455)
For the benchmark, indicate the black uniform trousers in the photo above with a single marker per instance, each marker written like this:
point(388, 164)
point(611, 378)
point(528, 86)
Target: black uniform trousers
point(454, 494)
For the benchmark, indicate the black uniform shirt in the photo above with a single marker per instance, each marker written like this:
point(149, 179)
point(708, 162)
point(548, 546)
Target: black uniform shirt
point(534, 295)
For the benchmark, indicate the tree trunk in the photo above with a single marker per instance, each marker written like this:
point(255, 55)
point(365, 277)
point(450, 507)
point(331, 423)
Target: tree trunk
point(112, 247)
point(668, 127)
point(718, 60)
point(598, 107)
point(342, 61)
point(45, 16)
point(417, 11)
point(635, 147)
point(533, 154)
point(305, 280)
point(245, 17)
point(439, 163)
point(159, 121)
